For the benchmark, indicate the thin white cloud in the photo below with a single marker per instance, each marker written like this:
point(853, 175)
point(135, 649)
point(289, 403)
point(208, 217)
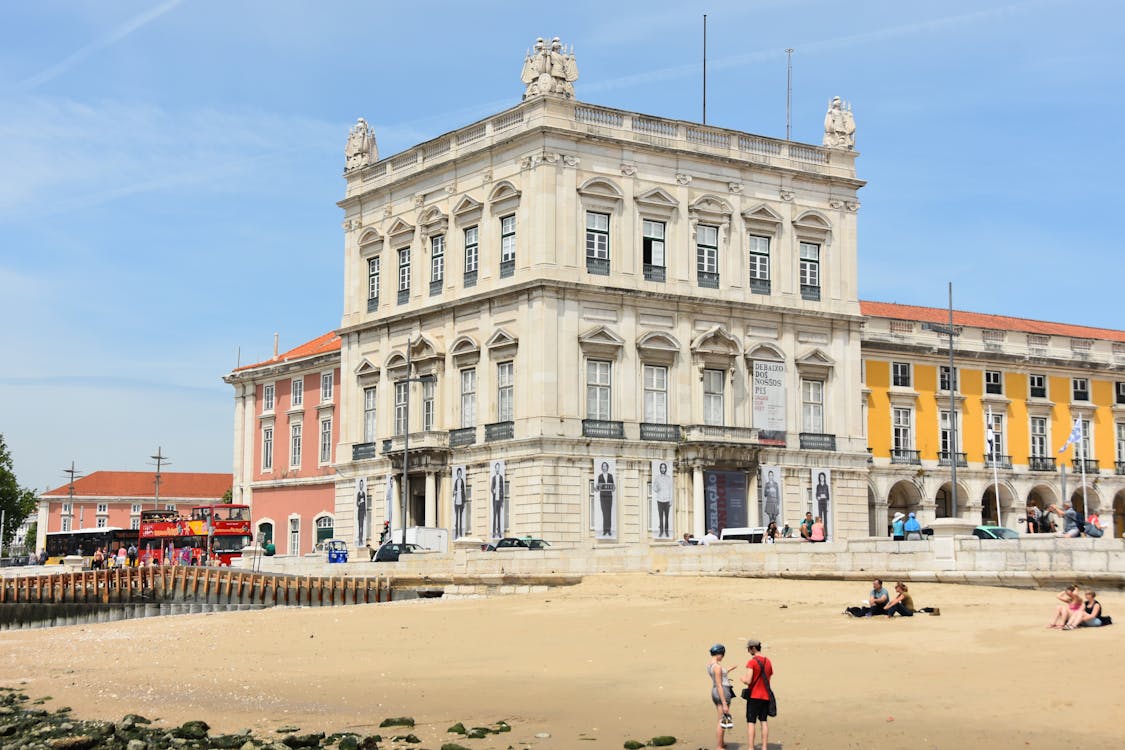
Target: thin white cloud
point(106, 40)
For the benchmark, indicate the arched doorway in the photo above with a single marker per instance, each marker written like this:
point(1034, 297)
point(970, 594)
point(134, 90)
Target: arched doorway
point(1009, 514)
point(1119, 515)
point(265, 531)
point(873, 515)
point(1085, 501)
point(943, 500)
point(905, 498)
point(1040, 497)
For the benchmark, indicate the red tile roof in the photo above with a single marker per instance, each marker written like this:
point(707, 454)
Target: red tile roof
point(173, 484)
point(982, 320)
point(324, 344)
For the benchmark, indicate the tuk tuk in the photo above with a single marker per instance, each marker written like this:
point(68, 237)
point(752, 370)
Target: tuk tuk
point(337, 550)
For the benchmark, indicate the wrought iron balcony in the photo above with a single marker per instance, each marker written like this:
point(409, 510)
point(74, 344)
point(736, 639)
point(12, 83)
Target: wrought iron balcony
point(362, 451)
point(507, 268)
point(1089, 465)
point(403, 296)
point(602, 428)
point(654, 273)
point(999, 461)
point(427, 440)
point(809, 292)
point(817, 441)
point(944, 459)
point(463, 436)
point(499, 431)
point(1041, 463)
point(666, 432)
point(372, 304)
point(760, 286)
point(1119, 468)
point(708, 280)
point(905, 456)
point(435, 288)
point(470, 278)
point(598, 266)
point(710, 433)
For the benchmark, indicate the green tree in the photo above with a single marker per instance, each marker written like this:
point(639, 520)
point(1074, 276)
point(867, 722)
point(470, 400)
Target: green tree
point(228, 496)
point(17, 502)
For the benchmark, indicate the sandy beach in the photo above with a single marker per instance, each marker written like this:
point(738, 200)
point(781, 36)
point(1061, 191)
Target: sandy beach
point(612, 659)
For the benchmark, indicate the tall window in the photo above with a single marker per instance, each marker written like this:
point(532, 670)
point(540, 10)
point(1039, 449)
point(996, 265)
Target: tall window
point(267, 448)
point(993, 382)
point(759, 264)
point(507, 245)
point(66, 524)
point(997, 433)
point(326, 441)
point(428, 389)
point(326, 383)
point(102, 523)
point(103, 508)
point(402, 393)
point(1039, 437)
point(468, 397)
point(297, 394)
point(267, 397)
point(656, 394)
point(369, 414)
point(372, 283)
point(652, 249)
point(505, 394)
point(707, 255)
point(812, 405)
point(1121, 442)
point(437, 260)
point(944, 379)
point(903, 434)
point(294, 536)
point(900, 374)
point(295, 445)
point(1037, 386)
point(809, 271)
point(472, 256)
point(714, 412)
point(1080, 389)
point(945, 434)
point(404, 272)
point(1119, 393)
point(599, 389)
point(1084, 447)
point(597, 242)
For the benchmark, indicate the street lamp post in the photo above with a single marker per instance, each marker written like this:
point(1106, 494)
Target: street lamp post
point(406, 428)
point(951, 332)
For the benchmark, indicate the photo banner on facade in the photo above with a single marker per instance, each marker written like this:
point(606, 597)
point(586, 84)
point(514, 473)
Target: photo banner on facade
point(361, 512)
point(462, 514)
point(769, 401)
point(661, 491)
point(822, 498)
point(770, 496)
point(724, 500)
point(390, 498)
point(605, 498)
point(497, 500)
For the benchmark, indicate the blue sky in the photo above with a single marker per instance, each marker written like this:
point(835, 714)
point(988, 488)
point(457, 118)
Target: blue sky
point(169, 171)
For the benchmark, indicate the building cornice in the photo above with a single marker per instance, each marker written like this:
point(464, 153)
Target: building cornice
point(278, 369)
point(1025, 361)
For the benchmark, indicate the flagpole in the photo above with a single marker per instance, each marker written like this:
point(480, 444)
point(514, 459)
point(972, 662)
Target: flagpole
point(995, 474)
point(1079, 452)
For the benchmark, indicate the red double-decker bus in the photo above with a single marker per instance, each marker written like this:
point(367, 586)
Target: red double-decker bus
point(212, 534)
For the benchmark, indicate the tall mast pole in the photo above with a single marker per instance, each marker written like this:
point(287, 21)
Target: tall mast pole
point(704, 68)
point(788, 93)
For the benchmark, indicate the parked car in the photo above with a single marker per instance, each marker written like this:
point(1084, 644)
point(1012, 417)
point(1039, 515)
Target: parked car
point(390, 551)
point(994, 532)
point(511, 542)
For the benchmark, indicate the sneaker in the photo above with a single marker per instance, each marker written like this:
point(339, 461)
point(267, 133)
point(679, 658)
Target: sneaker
point(727, 722)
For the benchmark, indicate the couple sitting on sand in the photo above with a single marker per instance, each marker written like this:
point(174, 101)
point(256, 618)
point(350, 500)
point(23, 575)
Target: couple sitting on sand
point(880, 602)
point(1076, 613)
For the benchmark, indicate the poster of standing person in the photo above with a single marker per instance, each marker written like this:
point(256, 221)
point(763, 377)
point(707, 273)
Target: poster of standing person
point(461, 512)
point(390, 517)
point(822, 499)
point(769, 491)
point(605, 497)
point(361, 512)
point(661, 491)
point(497, 499)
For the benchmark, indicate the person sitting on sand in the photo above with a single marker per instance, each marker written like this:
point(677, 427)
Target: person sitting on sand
point(722, 692)
point(1089, 615)
point(876, 602)
point(901, 603)
point(1071, 603)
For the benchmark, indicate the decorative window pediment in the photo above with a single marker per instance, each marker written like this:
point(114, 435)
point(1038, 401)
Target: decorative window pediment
point(762, 219)
point(367, 371)
point(395, 366)
point(370, 242)
point(400, 230)
point(813, 224)
point(601, 341)
point(433, 222)
point(600, 190)
point(468, 210)
point(658, 347)
point(765, 352)
point(710, 209)
point(501, 343)
point(715, 348)
point(465, 351)
point(504, 197)
point(815, 363)
point(657, 203)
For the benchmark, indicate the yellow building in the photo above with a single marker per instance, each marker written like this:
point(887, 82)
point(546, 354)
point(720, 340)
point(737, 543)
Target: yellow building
point(1030, 380)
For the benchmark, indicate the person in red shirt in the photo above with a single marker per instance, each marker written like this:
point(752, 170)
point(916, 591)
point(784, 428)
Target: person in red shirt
point(759, 672)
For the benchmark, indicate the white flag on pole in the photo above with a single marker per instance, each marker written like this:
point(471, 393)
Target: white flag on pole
point(1075, 435)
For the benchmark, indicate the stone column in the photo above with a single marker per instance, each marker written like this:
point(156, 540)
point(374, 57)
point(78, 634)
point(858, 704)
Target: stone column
point(881, 520)
point(699, 520)
point(431, 500)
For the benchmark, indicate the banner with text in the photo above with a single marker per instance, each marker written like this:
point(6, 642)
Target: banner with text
point(769, 402)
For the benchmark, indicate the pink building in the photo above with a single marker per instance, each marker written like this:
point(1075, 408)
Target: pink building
point(115, 498)
point(286, 427)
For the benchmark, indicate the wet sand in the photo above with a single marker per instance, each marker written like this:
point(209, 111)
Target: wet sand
point(615, 658)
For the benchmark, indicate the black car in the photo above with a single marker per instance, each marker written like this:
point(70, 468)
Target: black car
point(390, 551)
point(511, 542)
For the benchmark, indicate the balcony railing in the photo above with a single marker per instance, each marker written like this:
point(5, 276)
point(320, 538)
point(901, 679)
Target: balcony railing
point(810, 292)
point(999, 461)
point(429, 439)
point(507, 268)
point(372, 304)
point(597, 266)
point(1089, 465)
point(499, 431)
point(817, 441)
point(470, 278)
point(654, 273)
point(760, 286)
point(403, 296)
point(669, 433)
point(463, 436)
point(1119, 468)
point(708, 280)
point(362, 451)
point(905, 456)
point(944, 459)
point(435, 288)
point(1041, 463)
point(720, 434)
point(602, 428)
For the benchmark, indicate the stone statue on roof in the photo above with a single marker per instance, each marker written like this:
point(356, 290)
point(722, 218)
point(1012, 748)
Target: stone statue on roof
point(549, 69)
point(839, 125)
point(361, 149)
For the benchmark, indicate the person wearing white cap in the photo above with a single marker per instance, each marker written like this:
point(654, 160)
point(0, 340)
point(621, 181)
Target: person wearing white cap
point(897, 530)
